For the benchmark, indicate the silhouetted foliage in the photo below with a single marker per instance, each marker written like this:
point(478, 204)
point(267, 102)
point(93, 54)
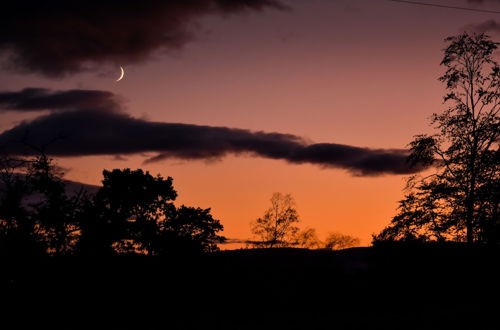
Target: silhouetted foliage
point(460, 200)
point(132, 213)
point(36, 215)
point(17, 230)
point(307, 238)
point(338, 241)
point(277, 227)
point(189, 229)
point(53, 211)
point(126, 211)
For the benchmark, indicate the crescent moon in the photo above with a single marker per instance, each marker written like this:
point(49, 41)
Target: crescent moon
point(121, 75)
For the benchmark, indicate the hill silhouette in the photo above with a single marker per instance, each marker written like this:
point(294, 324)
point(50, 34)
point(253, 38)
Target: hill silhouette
point(385, 287)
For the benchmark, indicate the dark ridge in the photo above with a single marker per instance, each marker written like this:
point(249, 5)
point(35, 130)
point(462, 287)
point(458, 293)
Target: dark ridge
point(390, 287)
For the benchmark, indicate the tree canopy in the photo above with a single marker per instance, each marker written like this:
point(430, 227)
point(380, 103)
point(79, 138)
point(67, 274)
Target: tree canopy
point(132, 212)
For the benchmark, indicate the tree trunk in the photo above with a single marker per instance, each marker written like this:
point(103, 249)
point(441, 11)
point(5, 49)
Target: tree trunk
point(470, 210)
point(470, 227)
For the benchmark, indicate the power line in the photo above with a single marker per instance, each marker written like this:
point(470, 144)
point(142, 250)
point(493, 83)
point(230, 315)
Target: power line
point(445, 6)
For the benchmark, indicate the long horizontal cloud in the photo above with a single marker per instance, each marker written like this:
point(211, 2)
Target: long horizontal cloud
point(483, 1)
point(38, 99)
point(55, 37)
point(112, 132)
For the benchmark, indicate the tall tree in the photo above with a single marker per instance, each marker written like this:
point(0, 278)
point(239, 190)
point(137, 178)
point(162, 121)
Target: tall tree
point(460, 199)
point(277, 227)
point(36, 214)
point(54, 212)
point(18, 235)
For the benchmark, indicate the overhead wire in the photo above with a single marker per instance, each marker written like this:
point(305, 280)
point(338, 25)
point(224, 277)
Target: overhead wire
point(446, 6)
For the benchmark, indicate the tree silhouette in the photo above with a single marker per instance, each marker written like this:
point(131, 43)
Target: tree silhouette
point(133, 213)
point(338, 241)
point(17, 229)
point(307, 238)
point(131, 204)
point(54, 212)
point(277, 227)
point(189, 230)
point(460, 200)
point(36, 215)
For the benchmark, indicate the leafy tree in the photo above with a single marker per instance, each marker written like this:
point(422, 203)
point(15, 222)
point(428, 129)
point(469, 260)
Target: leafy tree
point(459, 201)
point(338, 241)
point(35, 212)
point(125, 211)
point(277, 227)
point(54, 210)
point(17, 229)
point(133, 212)
point(189, 229)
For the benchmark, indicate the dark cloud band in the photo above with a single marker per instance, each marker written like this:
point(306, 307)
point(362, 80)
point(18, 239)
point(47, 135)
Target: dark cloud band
point(39, 99)
point(56, 37)
point(100, 131)
point(483, 1)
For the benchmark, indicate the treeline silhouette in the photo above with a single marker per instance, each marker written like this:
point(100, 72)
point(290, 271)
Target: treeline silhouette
point(131, 213)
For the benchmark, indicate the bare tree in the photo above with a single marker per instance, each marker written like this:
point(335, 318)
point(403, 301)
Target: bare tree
point(277, 227)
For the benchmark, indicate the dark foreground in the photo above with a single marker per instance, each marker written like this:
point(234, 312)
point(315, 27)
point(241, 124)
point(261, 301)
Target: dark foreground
point(452, 287)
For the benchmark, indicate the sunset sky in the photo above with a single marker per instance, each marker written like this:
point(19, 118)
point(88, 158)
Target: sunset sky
point(339, 80)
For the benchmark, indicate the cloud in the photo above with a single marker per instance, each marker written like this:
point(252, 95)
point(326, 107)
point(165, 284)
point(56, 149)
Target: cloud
point(482, 1)
point(57, 37)
point(485, 27)
point(39, 99)
point(86, 131)
point(488, 26)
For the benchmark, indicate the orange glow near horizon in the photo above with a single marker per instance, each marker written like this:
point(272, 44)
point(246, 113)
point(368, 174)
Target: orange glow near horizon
point(238, 189)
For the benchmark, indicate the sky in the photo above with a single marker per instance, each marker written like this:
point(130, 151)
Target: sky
point(235, 99)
